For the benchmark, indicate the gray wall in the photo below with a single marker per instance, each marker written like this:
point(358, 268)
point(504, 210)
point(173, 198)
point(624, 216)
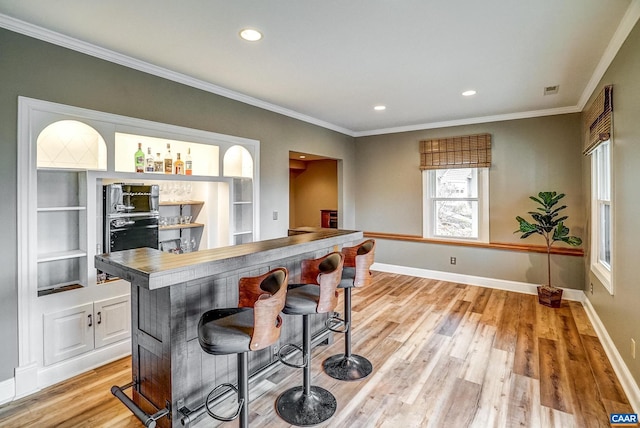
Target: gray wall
point(528, 156)
point(619, 312)
point(36, 69)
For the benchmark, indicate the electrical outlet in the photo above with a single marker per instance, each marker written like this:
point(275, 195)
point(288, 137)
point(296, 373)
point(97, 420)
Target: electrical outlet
point(591, 287)
point(275, 215)
point(453, 260)
point(633, 349)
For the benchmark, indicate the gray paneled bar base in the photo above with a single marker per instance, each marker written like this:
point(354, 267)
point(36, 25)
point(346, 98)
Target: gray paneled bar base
point(169, 293)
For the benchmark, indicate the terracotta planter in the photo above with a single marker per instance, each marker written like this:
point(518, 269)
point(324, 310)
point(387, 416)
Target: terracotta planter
point(551, 297)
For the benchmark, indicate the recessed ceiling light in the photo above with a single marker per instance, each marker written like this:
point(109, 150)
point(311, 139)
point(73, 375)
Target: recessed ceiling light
point(469, 93)
point(251, 35)
point(380, 108)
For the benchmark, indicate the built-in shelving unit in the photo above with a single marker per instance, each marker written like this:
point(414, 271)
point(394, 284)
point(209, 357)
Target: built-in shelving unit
point(62, 217)
point(242, 210)
point(65, 156)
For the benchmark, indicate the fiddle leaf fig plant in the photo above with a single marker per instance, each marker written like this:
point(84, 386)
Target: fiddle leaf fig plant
point(548, 223)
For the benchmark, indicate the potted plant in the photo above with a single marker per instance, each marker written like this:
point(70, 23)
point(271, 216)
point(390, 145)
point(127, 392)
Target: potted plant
point(550, 225)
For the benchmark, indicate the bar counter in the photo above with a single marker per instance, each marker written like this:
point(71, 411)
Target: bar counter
point(169, 293)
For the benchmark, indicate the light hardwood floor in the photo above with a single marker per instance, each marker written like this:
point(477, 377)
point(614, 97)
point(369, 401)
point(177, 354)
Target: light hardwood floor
point(444, 355)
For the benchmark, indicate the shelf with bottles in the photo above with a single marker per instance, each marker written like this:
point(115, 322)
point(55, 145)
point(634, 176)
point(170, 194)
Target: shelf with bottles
point(160, 156)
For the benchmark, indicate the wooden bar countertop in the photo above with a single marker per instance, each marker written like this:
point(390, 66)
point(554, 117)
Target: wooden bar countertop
point(153, 269)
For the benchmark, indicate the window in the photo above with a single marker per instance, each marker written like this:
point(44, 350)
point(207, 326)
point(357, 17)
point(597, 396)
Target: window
point(456, 203)
point(601, 214)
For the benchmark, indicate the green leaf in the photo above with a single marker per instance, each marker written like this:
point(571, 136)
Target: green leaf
point(574, 241)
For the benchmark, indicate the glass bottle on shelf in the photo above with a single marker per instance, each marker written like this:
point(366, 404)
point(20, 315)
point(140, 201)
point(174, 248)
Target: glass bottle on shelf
point(149, 161)
point(188, 163)
point(158, 164)
point(168, 161)
point(178, 165)
point(139, 159)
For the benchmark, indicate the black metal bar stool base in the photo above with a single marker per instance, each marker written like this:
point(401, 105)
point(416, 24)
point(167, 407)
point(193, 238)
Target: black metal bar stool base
point(353, 367)
point(298, 408)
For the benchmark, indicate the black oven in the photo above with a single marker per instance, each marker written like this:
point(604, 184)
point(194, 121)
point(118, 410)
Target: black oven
point(130, 215)
point(128, 198)
point(131, 231)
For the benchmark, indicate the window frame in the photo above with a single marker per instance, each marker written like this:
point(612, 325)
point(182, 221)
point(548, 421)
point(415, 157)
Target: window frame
point(429, 199)
point(601, 196)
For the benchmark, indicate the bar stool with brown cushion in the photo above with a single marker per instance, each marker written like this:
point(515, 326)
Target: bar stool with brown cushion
point(255, 324)
point(357, 261)
point(310, 405)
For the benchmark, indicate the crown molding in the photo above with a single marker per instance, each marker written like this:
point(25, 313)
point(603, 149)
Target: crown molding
point(471, 121)
point(632, 15)
point(77, 45)
point(628, 22)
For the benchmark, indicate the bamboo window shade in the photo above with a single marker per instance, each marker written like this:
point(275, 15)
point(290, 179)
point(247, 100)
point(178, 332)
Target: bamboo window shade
point(598, 120)
point(469, 151)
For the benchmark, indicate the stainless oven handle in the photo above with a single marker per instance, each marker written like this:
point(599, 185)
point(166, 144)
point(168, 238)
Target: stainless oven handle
point(121, 222)
point(153, 226)
point(150, 214)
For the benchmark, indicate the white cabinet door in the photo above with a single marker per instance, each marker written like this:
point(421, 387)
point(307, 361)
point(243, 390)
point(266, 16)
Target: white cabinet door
point(68, 333)
point(113, 320)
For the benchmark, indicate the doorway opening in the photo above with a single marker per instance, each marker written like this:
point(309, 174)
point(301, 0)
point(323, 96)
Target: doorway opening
point(313, 191)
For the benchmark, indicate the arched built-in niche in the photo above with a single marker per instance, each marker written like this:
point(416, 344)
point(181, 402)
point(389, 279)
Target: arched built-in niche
point(71, 144)
point(238, 162)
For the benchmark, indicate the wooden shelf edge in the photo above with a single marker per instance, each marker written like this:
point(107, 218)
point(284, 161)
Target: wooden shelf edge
point(177, 203)
point(181, 226)
point(577, 252)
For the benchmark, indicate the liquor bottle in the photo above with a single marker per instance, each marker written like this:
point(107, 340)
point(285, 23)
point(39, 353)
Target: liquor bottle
point(188, 163)
point(139, 159)
point(168, 161)
point(178, 165)
point(149, 161)
point(158, 164)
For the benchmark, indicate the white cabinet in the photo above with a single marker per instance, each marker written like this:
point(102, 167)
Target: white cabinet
point(112, 318)
point(83, 328)
point(68, 333)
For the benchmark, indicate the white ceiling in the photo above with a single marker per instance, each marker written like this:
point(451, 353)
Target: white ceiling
point(329, 62)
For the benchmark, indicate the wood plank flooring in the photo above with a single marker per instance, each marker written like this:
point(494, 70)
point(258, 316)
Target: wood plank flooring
point(444, 355)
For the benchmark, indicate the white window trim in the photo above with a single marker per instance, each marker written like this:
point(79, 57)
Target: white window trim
point(483, 209)
point(603, 273)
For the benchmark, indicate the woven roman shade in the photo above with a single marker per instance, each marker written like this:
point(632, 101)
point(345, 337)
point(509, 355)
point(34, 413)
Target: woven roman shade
point(598, 120)
point(469, 151)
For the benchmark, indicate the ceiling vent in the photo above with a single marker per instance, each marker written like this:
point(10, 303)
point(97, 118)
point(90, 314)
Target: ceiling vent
point(551, 90)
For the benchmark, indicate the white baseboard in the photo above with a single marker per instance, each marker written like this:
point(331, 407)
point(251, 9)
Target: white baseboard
point(499, 284)
point(7, 390)
point(26, 380)
point(622, 371)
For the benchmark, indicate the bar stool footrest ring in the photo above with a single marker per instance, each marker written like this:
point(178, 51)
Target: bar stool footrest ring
point(283, 360)
point(213, 393)
point(336, 325)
